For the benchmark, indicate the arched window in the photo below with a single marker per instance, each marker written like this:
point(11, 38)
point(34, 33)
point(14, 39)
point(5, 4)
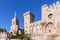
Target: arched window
point(50, 16)
point(11, 32)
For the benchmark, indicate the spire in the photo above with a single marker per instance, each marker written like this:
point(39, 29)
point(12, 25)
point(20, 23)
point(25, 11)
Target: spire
point(15, 14)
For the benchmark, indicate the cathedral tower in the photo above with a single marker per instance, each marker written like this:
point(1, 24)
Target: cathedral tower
point(15, 25)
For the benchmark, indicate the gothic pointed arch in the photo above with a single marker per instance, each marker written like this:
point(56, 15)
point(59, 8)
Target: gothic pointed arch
point(49, 23)
point(49, 27)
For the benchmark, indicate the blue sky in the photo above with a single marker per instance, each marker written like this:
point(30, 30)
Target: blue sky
point(8, 7)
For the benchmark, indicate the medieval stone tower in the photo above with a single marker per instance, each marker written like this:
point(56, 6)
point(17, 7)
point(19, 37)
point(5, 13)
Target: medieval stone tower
point(28, 18)
point(15, 25)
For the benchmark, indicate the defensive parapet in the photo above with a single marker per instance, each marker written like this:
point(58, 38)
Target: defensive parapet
point(51, 9)
point(57, 4)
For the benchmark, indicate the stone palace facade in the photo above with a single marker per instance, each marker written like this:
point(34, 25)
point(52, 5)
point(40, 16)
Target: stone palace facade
point(48, 28)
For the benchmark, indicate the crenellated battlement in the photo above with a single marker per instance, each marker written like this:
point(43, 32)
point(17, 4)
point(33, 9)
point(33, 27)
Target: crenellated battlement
point(57, 4)
point(50, 9)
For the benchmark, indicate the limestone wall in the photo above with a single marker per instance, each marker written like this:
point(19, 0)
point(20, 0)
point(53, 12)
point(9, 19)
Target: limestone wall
point(57, 38)
point(14, 39)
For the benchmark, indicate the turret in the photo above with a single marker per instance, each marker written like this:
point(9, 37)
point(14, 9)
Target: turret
point(44, 12)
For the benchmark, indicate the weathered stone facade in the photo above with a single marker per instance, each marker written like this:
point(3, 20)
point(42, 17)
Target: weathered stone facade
point(4, 36)
point(48, 28)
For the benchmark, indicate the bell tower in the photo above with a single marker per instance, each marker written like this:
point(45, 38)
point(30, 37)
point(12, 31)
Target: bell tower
point(15, 25)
